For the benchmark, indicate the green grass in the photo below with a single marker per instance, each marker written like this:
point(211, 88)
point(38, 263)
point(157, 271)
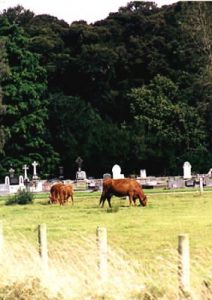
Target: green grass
point(142, 232)
point(147, 235)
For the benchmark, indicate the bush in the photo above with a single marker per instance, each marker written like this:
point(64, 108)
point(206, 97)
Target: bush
point(22, 197)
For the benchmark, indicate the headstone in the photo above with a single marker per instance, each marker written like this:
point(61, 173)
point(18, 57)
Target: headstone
point(186, 170)
point(25, 168)
point(81, 175)
point(11, 172)
point(210, 173)
point(106, 175)
point(7, 180)
point(116, 170)
point(176, 183)
point(143, 173)
point(14, 181)
point(79, 162)
point(190, 183)
point(34, 164)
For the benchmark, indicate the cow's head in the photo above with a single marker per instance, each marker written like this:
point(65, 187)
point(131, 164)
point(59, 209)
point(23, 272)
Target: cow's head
point(143, 200)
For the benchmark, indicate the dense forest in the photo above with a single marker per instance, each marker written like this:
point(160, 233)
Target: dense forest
point(133, 89)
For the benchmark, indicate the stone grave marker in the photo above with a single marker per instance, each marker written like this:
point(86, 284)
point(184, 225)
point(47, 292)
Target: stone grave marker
point(116, 170)
point(186, 170)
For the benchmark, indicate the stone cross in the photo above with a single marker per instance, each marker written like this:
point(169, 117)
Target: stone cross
point(79, 161)
point(11, 171)
point(34, 164)
point(25, 168)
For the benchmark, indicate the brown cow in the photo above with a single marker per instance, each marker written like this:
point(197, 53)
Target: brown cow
point(60, 193)
point(120, 188)
point(66, 192)
point(55, 192)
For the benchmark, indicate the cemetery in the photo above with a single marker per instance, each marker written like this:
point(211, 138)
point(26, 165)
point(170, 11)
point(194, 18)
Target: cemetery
point(13, 183)
point(126, 98)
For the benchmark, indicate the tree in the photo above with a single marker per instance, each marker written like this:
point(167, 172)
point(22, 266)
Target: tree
point(198, 26)
point(173, 131)
point(27, 105)
point(3, 73)
point(79, 130)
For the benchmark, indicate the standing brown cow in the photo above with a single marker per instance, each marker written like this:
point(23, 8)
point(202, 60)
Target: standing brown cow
point(120, 188)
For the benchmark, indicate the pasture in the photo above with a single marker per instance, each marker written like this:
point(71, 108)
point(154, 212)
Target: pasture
point(142, 240)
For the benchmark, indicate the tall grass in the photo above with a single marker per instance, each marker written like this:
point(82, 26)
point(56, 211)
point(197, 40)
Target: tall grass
point(142, 258)
point(73, 274)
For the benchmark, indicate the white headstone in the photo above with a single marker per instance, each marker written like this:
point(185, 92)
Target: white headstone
point(210, 173)
point(116, 170)
point(81, 175)
point(186, 170)
point(34, 164)
point(143, 173)
point(7, 180)
point(25, 168)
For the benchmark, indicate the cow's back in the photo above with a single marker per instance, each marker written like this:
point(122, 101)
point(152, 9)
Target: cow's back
point(124, 186)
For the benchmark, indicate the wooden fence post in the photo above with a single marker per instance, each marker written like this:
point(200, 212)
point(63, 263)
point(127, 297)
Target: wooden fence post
point(101, 233)
point(43, 249)
point(184, 264)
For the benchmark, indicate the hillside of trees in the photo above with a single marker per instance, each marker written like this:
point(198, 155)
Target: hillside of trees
point(133, 89)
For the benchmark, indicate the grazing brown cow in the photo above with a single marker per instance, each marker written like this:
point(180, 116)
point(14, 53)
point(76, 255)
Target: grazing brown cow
point(54, 192)
point(66, 192)
point(60, 193)
point(120, 188)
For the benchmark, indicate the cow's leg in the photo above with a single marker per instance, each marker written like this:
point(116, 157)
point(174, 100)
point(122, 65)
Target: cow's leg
point(108, 200)
point(130, 198)
point(66, 197)
point(102, 200)
point(53, 197)
point(50, 199)
point(134, 200)
point(60, 197)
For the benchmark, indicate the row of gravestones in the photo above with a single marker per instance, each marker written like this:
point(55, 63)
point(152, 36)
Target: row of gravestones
point(13, 183)
point(116, 170)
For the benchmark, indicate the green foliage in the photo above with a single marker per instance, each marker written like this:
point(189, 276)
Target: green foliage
point(27, 106)
point(23, 197)
point(4, 69)
point(169, 126)
point(134, 89)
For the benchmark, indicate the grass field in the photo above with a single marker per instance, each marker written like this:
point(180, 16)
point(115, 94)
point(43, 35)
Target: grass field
point(145, 237)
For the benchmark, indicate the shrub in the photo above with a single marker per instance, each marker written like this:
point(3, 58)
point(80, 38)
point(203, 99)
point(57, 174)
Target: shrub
point(22, 197)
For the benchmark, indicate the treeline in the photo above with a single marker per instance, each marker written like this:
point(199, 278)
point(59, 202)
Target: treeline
point(133, 89)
